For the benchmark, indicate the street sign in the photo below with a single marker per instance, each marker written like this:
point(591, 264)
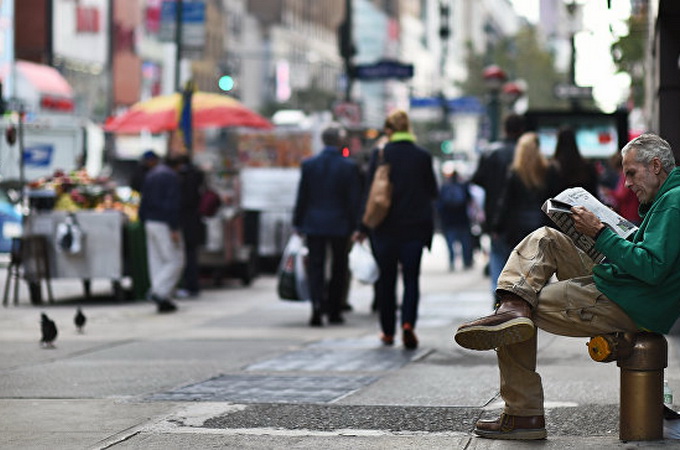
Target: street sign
point(569, 91)
point(384, 70)
point(193, 24)
point(467, 104)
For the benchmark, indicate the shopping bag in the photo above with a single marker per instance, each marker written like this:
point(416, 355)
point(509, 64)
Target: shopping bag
point(292, 277)
point(362, 264)
point(209, 203)
point(379, 196)
point(69, 236)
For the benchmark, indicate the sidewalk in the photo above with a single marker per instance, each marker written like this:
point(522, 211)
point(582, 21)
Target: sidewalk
point(240, 369)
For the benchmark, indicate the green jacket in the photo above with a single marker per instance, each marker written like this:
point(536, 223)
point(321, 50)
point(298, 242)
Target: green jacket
point(642, 274)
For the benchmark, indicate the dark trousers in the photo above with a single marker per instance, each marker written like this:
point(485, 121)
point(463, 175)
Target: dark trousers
point(327, 300)
point(391, 252)
point(191, 275)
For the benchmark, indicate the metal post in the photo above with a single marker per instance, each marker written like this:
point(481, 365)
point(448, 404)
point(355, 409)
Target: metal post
point(444, 33)
point(572, 10)
point(494, 113)
point(178, 43)
point(347, 49)
point(23, 200)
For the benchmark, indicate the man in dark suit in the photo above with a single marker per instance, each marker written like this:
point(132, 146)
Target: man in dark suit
point(326, 213)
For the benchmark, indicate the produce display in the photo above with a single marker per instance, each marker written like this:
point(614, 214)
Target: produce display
point(77, 191)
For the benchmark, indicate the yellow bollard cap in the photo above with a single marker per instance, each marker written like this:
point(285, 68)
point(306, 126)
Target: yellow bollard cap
point(600, 349)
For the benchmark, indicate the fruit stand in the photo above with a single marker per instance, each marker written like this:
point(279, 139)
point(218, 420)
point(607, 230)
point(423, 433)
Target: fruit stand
point(90, 231)
point(101, 253)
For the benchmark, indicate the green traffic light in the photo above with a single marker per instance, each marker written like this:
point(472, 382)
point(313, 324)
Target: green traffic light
point(447, 147)
point(226, 83)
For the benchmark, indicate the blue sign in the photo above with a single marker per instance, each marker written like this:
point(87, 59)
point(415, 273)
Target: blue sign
point(383, 70)
point(193, 23)
point(192, 12)
point(468, 104)
point(38, 155)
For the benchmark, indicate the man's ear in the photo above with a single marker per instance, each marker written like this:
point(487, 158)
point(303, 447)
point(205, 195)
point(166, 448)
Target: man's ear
point(657, 166)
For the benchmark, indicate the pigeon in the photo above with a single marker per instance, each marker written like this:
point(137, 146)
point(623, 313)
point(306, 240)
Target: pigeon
point(49, 331)
point(79, 320)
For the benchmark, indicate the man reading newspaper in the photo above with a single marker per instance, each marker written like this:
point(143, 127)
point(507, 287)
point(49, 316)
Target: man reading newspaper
point(636, 287)
point(559, 210)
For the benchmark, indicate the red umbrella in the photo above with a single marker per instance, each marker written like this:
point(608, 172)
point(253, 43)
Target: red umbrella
point(161, 113)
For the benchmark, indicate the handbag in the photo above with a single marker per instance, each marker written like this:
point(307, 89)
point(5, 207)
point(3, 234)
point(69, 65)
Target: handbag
point(209, 203)
point(380, 195)
point(292, 275)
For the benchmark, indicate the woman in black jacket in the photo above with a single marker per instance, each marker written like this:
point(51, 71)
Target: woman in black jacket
point(408, 227)
point(531, 180)
point(572, 170)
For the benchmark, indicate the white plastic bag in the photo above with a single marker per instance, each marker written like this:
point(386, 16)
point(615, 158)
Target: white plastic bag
point(292, 276)
point(362, 264)
point(69, 236)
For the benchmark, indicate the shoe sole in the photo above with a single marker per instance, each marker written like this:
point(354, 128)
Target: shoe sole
point(485, 337)
point(514, 435)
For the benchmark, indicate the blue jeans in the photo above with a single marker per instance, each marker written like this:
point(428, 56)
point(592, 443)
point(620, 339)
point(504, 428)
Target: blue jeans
point(463, 236)
point(498, 256)
point(390, 252)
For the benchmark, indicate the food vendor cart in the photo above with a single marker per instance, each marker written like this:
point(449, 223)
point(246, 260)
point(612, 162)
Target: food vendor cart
point(84, 228)
point(100, 253)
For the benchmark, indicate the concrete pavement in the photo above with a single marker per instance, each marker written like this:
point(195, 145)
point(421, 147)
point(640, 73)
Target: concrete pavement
point(238, 368)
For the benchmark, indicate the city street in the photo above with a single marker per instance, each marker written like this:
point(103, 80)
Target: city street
point(239, 368)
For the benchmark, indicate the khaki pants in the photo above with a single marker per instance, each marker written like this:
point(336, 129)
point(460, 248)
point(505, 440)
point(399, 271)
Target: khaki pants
point(572, 306)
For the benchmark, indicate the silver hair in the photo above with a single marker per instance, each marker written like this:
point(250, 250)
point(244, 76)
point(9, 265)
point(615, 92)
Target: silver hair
point(650, 146)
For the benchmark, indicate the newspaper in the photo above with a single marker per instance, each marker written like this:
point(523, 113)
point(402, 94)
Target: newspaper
point(559, 211)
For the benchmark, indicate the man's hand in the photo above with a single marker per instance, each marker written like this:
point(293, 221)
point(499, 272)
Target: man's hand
point(585, 221)
point(358, 236)
point(175, 236)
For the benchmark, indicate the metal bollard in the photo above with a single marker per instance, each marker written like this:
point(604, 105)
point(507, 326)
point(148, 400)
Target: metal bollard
point(642, 358)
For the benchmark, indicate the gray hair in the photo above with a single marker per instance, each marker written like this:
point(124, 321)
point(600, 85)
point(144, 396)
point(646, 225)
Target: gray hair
point(334, 134)
point(650, 146)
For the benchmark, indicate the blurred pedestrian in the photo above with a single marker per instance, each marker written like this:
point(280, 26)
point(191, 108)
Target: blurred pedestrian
point(326, 212)
point(399, 240)
point(528, 186)
point(452, 205)
point(148, 161)
point(491, 175)
point(192, 182)
point(159, 210)
point(572, 170)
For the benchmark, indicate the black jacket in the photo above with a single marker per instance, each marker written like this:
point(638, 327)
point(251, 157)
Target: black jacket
point(518, 211)
point(329, 195)
point(491, 175)
point(411, 214)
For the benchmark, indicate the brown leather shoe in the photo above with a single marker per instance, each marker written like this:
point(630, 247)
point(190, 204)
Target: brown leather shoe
point(509, 324)
point(512, 428)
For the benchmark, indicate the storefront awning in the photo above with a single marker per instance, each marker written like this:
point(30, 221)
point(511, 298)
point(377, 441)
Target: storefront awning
point(42, 87)
point(45, 79)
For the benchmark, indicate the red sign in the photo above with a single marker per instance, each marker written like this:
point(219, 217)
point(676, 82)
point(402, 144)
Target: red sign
point(87, 19)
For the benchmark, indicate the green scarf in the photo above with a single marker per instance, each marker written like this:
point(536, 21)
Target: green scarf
point(402, 136)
